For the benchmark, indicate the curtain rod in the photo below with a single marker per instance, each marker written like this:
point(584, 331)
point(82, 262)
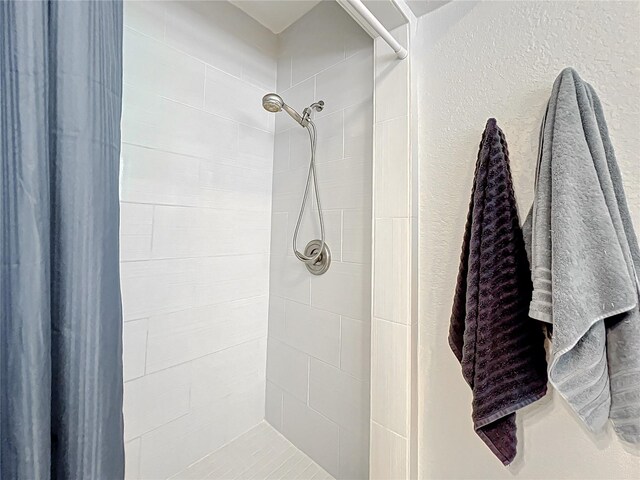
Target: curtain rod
point(365, 15)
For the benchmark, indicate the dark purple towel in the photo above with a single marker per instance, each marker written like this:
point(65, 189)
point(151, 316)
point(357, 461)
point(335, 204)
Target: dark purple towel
point(500, 348)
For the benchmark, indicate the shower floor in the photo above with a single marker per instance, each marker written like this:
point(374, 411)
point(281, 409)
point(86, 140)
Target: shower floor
point(260, 454)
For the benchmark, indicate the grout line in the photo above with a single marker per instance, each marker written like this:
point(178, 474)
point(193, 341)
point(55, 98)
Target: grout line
point(317, 413)
point(241, 344)
point(220, 160)
point(339, 437)
point(392, 119)
point(241, 77)
point(204, 207)
point(308, 380)
point(340, 344)
point(394, 322)
point(344, 60)
point(303, 458)
point(393, 432)
point(249, 82)
point(147, 432)
point(324, 309)
point(343, 371)
point(284, 314)
point(163, 259)
point(164, 24)
point(281, 408)
point(153, 225)
point(309, 356)
point(229, 119)
point(194, 307)
point(289, 453)
point(190, 395)
point(146, 348)
point(342, 235)
point(204, 89)
point(237, 437)
point(325, 417)
point(344, 132)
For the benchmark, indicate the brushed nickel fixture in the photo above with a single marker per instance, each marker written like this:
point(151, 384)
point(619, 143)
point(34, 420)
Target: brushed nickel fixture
point(316, 256)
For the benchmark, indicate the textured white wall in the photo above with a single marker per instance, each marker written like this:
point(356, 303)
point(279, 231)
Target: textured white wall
point(500, 59)
point(197, 160)
point(319, 327)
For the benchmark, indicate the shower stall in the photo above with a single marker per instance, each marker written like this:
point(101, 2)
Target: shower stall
point(218, 217)
point(246, 243)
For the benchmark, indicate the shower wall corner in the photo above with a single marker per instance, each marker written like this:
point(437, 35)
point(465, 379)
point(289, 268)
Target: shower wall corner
point(318, 359)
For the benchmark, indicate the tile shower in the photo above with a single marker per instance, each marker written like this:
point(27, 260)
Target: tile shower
point(239, 364)
point(224, 327)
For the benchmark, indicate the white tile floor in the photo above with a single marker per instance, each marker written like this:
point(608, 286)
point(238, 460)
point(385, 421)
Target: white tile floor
point(259, 454)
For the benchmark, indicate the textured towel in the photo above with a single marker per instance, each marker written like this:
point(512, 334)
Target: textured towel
point(584, 257)
point(500, 348)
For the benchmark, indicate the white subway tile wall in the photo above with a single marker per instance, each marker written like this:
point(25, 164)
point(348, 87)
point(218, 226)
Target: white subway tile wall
point(210, 188)
point(318, 359)
point(197, 159)
point(394, 259)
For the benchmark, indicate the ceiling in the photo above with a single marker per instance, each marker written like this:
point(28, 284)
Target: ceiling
point(276, 15)
point(387, 13)
point(420, 7)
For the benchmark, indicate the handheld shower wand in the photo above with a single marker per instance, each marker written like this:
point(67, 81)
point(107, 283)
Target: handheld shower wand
point(272, 102)
point(316, 256)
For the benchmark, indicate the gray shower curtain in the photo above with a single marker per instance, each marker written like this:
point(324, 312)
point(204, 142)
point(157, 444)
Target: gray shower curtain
point(60, 323)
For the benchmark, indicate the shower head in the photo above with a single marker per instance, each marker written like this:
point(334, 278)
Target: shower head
point(272, 102)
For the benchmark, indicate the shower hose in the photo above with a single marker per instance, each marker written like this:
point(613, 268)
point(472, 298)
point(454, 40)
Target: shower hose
point(311, 259)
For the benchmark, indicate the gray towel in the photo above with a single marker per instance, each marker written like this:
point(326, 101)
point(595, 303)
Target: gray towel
point(584, 262)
